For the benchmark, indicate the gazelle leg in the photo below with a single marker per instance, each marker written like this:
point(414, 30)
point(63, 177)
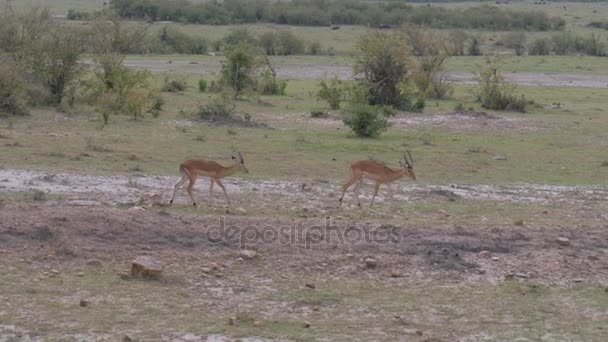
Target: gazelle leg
point(390, 192)
point(177, 186)
point(223, 189)
point(357, 187)
point(189, 190)
point(211, 181)
point(376, 187)
point(347, 185)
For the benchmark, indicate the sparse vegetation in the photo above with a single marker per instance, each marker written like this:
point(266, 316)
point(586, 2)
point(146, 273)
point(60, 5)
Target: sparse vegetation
point(494, 92)
point(331, 91)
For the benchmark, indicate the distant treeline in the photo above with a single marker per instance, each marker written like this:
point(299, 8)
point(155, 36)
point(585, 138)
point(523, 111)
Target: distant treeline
point(333, 12)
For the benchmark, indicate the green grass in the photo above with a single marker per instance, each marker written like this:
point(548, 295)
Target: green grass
point(49, 306)
point(564, 145)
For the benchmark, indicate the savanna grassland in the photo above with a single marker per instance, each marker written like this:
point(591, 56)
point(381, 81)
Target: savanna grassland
point(502, 236)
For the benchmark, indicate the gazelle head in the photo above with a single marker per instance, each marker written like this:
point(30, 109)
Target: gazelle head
point(241, 162)
point(408, 165)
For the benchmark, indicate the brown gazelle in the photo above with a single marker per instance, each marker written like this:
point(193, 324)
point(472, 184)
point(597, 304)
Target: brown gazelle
point(193, 168)
point(378, 173)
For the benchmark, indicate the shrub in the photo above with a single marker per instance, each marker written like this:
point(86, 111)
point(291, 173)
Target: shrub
point(430, 50)
point(331, 92)
point(242, 61)
point(474, 48)
point(383, 61)
point(78, 15)
point(366, 120)
point(202, 85)
point(13, 97)
point(515, 41)
point(314, 48)
point(268, 84)
point(181, 42)
point(174, 86)
point(218, 109)
point(315, 113)
point(540, 47)
point(494, 92)
point(157, 106)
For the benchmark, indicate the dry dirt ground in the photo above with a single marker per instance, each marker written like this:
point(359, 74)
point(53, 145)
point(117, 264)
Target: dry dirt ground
point(345, 72)
point(65, 257)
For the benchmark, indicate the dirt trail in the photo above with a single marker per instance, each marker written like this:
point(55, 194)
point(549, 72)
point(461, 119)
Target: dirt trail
point(345, 72)
point(79, 189)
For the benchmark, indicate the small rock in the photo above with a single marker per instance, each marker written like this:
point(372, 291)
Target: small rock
point(84, 303)
point(54, 271)
point(370, 262)
point(136, 208)
point(310, 285)
point(146, 267)
point(562, 241)
point(257, 323)
point(495, 258)
point(214, 266)
point(395, 274)
point(509, 276)
point(419, 332)
point(124, 276)
point(240, 211)
point(80, 274)
point(480, 271)
point(500, 157)
point(191, 337)
point(315, 308)
point(206, 269)
point(231, 320)
point(349, 255)
point(521, 275)
point(306, 325)
point(578, 280)
point(239, 259)
point(248, 254)
point(485, 254)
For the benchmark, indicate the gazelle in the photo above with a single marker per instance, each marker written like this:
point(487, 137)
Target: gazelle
point(193, 168)
point(379, 173)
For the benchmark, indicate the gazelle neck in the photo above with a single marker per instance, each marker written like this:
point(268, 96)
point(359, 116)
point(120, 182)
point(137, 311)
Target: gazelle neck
point(229, 170)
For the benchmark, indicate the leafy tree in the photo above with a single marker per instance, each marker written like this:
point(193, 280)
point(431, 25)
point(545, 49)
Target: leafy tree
point(383, 62)
point(54, 58)
point(240, 68)
point(430, 50)
point(111, 40)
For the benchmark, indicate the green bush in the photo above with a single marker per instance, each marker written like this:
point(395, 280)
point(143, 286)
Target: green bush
point(474, 48)
point(174, 85)
point(267, 84)
point(494, 92)
point(331, 91)
point(219, 108)
point(181, 42)
point(13, 96)
point(383, 60)
point(365, 120)
point(314, 48)
point(540, 47)
point(202, 85)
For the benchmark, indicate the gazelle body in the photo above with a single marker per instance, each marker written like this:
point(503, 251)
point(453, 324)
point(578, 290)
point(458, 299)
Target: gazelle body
point(194, 168)
point(378, 173)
